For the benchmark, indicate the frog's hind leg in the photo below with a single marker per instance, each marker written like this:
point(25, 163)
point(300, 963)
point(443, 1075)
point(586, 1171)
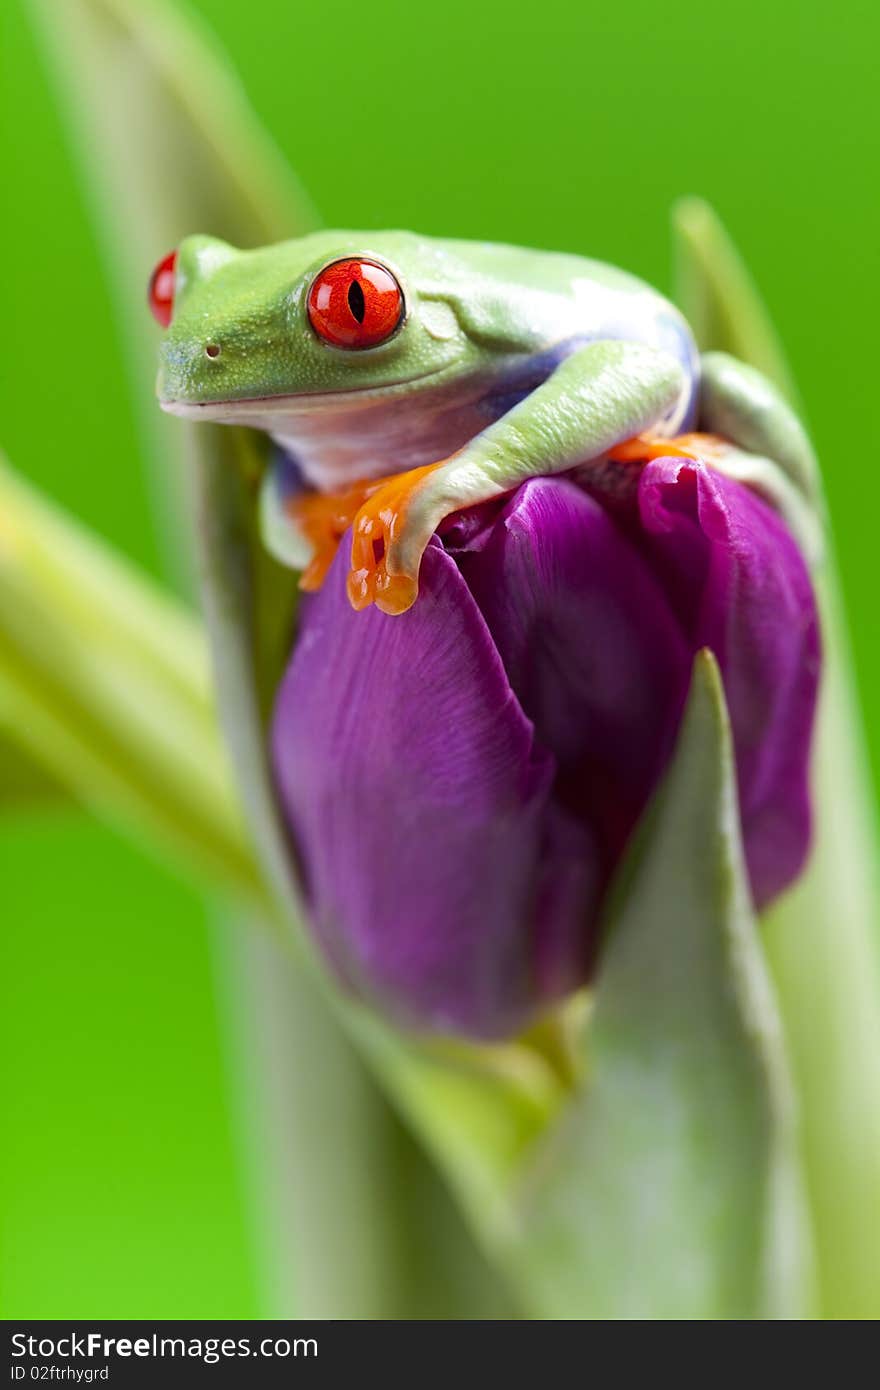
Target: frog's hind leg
point(741, 404)
point(768, 448)
point(302, 528)
point(283, 537)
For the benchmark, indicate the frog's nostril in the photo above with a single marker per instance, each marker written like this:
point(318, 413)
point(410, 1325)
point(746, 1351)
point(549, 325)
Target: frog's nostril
point(212, 350)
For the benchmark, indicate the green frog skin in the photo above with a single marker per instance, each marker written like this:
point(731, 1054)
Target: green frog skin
point(405, 377)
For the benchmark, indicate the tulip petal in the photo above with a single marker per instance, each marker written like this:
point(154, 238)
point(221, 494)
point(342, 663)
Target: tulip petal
point(598, 661)
point(741, 588)
point(415, 792)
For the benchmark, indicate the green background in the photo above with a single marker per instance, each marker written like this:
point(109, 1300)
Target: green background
point(558, 125)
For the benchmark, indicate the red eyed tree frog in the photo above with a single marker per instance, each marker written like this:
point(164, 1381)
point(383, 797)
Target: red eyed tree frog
point(405, 378)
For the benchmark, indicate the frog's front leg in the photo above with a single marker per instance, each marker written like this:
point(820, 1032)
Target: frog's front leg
point(601, 394)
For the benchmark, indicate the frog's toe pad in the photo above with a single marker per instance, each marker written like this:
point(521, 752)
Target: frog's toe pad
point(391, 593)
point(379, 540)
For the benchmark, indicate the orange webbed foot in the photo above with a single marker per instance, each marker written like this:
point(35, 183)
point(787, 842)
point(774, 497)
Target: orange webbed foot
point(644, 447)
point(378, 529)
point(323, 518)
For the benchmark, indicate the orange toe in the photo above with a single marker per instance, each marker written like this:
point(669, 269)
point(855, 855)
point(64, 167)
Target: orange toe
point(379, 522)
point(376, 512)
point(644, 447)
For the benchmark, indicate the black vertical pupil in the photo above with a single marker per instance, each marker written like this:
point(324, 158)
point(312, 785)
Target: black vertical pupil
point(356, 302)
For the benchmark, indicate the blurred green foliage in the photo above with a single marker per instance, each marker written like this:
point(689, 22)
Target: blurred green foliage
point(557, 125)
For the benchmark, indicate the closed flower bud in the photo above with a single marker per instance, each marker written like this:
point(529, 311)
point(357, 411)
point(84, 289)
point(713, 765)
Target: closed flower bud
point(462, 781)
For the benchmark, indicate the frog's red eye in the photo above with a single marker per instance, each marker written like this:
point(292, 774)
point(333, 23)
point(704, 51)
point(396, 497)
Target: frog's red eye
point(160, 292)
point(355, 303)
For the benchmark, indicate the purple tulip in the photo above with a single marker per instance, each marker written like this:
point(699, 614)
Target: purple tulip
point(462, 780)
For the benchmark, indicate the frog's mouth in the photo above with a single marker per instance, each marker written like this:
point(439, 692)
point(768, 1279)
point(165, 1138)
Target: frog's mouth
point(239, 410)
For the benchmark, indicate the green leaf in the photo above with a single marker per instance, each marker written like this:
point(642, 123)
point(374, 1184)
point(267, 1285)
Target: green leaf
point(822, 945)
point(23, 781)
point(104, 684)
point(354, 1222)
point(822, 938)
point(670, 1188)
point(718, 295)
